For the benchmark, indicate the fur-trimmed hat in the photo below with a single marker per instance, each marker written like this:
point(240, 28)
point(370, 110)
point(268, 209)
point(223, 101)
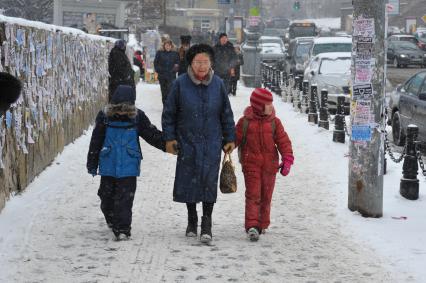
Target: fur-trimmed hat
point(124, 94)
point(259, 98)
point(185, 39)
point(197, 49)
point(10, 90)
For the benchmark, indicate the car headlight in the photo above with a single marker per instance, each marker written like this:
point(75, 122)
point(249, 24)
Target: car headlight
point(299, 67)
point(402, 55)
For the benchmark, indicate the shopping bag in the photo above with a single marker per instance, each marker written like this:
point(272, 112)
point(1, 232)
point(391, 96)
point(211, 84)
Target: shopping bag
point(228, 180)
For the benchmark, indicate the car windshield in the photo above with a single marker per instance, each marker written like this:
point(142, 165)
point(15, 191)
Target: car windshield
point(335, 66)
point(303, 49)
point(331, 47)
point(271, 48)
point(405, 45)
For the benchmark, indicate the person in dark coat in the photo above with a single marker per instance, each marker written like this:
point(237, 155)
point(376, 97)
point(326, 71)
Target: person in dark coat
point(166, 64)
point(197, 124)
point(119, 67)
point(115, 155)
point(10, 88)
point(238, 63)
point(185, 44)
point(225, 58)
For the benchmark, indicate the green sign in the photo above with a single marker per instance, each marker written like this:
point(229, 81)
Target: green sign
point(255, 11)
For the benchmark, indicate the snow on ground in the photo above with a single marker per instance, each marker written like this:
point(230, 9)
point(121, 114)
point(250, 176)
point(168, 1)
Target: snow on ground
point(55, 232)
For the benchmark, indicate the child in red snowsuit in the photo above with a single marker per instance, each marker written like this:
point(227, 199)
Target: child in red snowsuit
point(260, 136)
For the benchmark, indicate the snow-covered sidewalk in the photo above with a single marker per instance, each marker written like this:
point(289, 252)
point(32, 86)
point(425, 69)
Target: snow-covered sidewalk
point(55, 232)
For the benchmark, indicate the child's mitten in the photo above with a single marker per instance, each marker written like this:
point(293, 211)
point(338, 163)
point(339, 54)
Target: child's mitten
point(285, 166)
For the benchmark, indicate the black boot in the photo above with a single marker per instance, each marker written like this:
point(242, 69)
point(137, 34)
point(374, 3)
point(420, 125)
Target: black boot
point(191, 229)
point(206, 229)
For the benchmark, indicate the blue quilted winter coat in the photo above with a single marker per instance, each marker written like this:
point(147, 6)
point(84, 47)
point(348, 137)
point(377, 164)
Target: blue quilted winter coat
point(200, 118)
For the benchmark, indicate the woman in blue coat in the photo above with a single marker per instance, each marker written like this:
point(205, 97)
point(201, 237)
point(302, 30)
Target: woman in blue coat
point(197, 124)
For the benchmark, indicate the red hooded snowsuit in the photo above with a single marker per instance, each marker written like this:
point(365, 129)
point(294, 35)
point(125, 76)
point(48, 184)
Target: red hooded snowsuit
point(260, 162)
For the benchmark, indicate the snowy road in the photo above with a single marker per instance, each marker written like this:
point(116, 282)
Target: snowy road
point(55, 232)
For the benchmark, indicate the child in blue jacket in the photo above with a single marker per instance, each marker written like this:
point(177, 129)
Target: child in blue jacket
point(115, 155)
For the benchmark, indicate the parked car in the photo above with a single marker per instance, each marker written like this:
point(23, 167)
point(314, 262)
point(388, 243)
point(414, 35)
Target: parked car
point(331, 71)
point(298, 54)
point(404, 53)
point(403, 37)
point(272, 53)
point(331, 44)
point(407, 105)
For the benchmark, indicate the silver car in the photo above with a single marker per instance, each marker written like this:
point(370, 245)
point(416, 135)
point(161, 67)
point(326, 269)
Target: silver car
point(331, 71)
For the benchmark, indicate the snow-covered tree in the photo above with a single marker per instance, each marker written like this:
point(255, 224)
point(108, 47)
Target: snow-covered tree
point(35, 10)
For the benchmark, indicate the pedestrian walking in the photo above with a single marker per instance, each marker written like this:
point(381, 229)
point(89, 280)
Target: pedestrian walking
point(260, 137)
point(183, 49)
point(166, 64)
point(225, 58)
point(115, 155)
point(10, 91)
point(120, 69)
point(238, 63)
point(198, 124)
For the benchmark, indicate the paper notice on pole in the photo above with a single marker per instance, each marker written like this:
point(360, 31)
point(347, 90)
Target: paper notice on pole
point(364, 27)
point(362, 91)
point(363, 71)
point(361, 133)
point(363, 114)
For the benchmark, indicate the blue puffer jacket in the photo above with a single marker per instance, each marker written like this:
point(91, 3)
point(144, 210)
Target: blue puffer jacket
point(200, 118)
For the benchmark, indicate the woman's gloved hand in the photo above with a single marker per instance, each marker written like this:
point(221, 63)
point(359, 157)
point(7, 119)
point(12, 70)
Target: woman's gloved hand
point(172, 147)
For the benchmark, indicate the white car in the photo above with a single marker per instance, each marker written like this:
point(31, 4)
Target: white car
point(331, 71)
point(327, 45)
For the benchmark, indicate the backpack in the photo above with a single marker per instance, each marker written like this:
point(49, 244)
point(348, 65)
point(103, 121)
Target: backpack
point(244, 138)
point(120, 155)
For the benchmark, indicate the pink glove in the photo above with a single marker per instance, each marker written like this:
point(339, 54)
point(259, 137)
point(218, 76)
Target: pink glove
point(285, 166)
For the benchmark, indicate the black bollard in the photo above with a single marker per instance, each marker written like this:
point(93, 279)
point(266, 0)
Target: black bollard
point(305, 91)
point(278, 90)
point(323, 111)
point(313, 115)
point(409, 185)
point(339, 121)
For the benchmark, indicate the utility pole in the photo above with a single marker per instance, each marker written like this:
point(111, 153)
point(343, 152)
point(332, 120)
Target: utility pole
point(368, 81)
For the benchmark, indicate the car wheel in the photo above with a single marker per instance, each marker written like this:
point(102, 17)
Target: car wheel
point(397, 130)
point(395, 63)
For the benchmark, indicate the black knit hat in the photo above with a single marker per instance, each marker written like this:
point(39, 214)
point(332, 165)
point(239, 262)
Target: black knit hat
point(10, 90)
point(197, 49)
point(124, 94)
point(185, 39)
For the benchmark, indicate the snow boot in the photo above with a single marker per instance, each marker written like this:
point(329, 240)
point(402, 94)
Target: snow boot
point(121, 235)
point(191, 229)
point(206, 229)
point(253, 234)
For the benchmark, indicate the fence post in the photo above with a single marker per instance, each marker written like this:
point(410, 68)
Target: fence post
point(409, 185)
point(313, 115)
point(339, 120)
point(323, 112)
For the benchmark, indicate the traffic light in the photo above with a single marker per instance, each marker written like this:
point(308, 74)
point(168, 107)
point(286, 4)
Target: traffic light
point(296, 6)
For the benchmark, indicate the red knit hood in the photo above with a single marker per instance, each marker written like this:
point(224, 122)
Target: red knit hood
point(251, 115)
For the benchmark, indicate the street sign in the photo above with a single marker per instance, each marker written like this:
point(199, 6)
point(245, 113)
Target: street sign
point(424, 18)
point(393, 7)
point(255, 11)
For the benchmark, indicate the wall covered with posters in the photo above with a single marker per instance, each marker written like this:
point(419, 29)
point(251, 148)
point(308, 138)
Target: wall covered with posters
point(64, 73)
